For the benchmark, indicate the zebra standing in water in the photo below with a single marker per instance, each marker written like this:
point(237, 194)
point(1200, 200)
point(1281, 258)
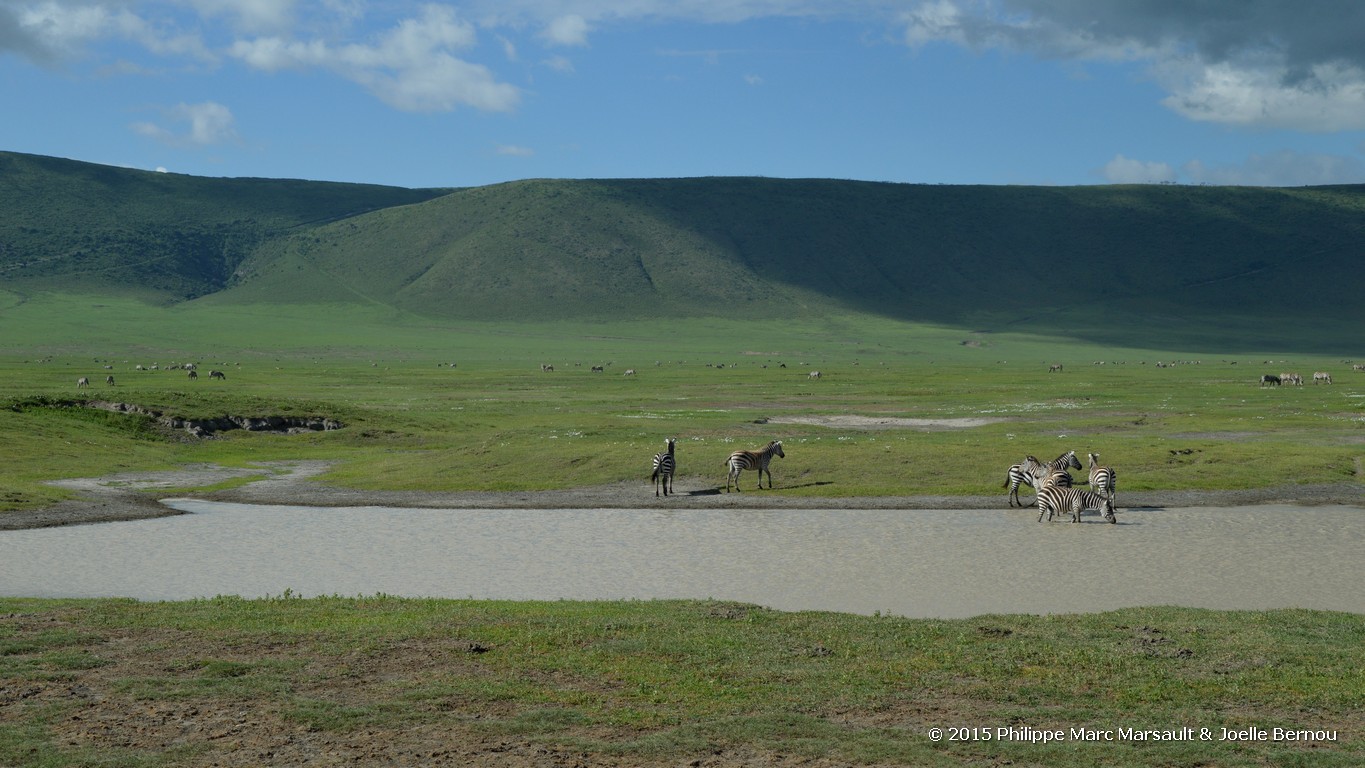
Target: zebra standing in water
point(1103, 480)
point(1031, 471)
point(742, 460)
point(1054, 499)
point(664, 466)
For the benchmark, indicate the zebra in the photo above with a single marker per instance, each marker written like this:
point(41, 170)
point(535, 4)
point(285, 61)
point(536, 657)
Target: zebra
point(82, 382)
point(1322, 377)
point(216, 375)
point(109, 379)
point(1054, 499)
point(1031, 470)
point(1054, 368)
point(742, 460)
point(664, 466)
point(815, 374)
point(1103, 480)
point(194, 376)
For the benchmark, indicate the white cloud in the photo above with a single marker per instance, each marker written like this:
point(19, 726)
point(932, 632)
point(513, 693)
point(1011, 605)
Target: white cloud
point(249, 15)
point(571, 29)
point(204, 124)
point(754, 80)
point(559, 64)
point(513, 150)
point(1123, 170)
point(411, 67)
point(1242, 62)
point(54, 31)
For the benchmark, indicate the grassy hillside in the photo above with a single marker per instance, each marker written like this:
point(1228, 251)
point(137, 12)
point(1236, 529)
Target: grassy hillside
point(1233, 269)
point(107, 230)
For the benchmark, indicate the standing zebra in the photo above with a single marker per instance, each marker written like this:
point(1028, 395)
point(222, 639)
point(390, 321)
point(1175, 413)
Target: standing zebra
point(742, 460)
point(1054, 499)
point(664, 466)
point(1032, 470)
point(1103, 480)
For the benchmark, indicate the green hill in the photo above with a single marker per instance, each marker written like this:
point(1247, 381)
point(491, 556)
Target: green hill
point(83, 227)
point(1215, 266)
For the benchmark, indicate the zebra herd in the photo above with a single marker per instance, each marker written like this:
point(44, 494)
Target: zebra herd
point(1055, 492)
point(666, 465)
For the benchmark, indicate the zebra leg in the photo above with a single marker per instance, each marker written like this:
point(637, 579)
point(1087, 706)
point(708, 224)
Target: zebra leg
point(1076, 510)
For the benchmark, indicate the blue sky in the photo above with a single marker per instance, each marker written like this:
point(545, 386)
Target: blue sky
point(426, 94)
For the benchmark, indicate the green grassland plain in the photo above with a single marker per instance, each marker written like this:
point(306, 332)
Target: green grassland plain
point(442, 405)
point(447, 406)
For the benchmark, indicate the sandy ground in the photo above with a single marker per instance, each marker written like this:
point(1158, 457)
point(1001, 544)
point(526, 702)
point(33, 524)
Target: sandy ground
point(134, 495)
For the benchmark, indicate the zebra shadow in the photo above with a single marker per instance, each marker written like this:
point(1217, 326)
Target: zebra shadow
point(717, 490)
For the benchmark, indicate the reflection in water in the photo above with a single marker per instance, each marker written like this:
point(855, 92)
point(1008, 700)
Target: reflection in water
point(917, 563)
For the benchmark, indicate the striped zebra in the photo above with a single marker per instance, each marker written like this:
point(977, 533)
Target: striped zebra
point(1054, 499)
point(1103, 480)
point(664, 466)
point(1032, 470)
point(742, 460)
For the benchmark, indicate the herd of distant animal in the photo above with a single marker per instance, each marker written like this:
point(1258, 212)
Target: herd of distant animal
point(191, 368)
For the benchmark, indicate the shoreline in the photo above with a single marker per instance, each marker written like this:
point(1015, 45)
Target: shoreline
point(136, 496)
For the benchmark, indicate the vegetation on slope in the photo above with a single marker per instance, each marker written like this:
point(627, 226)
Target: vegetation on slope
point(1215, 267)
point(107, 230)
point(1111, 264)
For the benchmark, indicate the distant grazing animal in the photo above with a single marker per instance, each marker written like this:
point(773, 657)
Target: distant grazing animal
point(1054, 368)
point(1358, 367)
point(1291, 378)
point(629, 372)
point(109, 379)
point(1270, 379)
point(664, 466)
point(82, 382)
point(598, 369)
point(217, 375)
point(742, 460)
point(1054, 499)
point(546, 368)
point(1103, 480)
point(194, 376)
point(815, 374)
point(1322, 377)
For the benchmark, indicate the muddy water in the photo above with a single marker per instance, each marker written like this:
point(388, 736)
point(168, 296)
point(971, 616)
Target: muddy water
point(951, 563)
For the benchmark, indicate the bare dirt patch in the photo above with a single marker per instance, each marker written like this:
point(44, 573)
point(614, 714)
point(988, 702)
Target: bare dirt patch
point(849, 421)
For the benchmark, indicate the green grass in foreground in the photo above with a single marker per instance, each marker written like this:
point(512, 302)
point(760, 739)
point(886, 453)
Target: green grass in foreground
point(667, 680)
point(497, 422)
